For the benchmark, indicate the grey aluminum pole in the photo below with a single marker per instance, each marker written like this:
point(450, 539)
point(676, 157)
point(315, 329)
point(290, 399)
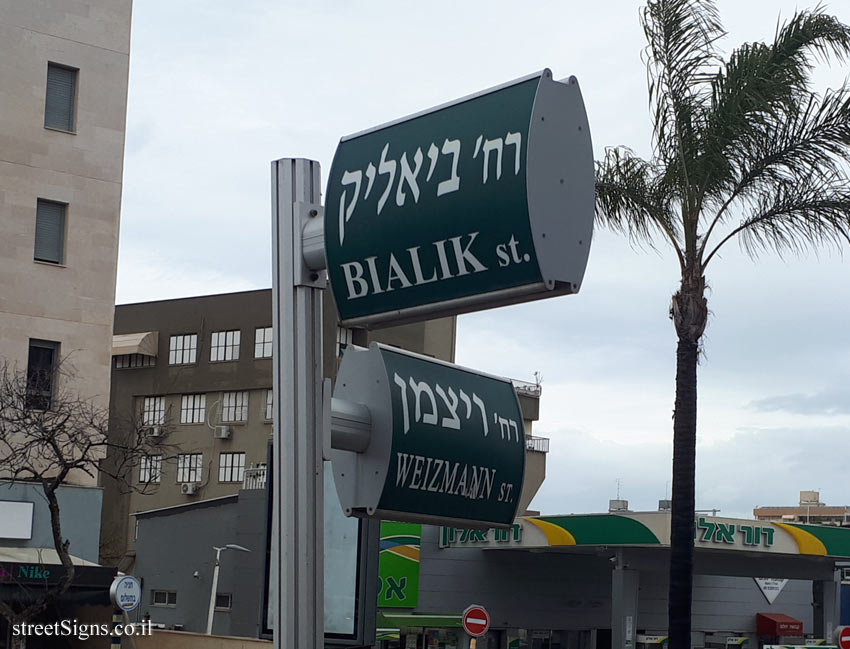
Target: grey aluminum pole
point(298, 513)
point(213, 588)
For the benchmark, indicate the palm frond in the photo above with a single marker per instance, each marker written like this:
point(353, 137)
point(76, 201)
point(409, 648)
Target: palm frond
point(759, 86)
point(632, 198)
point(808, 141)
point(680, 54)
point(797, 215)
point(811, 141)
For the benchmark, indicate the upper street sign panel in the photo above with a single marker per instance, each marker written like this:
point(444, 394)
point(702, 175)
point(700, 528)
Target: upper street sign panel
point(479, 203)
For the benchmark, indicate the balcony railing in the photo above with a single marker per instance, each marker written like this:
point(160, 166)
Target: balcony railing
point(533, 390)
point(254, 478)
point(539, 444)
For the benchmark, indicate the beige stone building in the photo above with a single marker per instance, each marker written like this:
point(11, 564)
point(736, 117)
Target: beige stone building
point(63, 97)
point(810, 509)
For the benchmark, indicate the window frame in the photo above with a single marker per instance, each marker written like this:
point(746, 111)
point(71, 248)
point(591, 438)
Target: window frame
point(170, 598)
point(268, 413)
point(237, 411)
point(190, 467)
point(153, 410)
point(150, 469)
point(39, 392)
point(228, 349)
point(232, 470)
point(72, 107)
point(179, 351)
point(263, 342)
point(62, 234)
point(132, 361)
point(229, 606)
point(195, 411)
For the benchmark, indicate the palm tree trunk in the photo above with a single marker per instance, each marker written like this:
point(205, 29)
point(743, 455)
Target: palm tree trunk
point(689, 311)
point(682, 518)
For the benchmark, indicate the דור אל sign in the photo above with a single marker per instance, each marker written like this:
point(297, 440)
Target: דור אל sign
point(447, 443)
point(486, 201)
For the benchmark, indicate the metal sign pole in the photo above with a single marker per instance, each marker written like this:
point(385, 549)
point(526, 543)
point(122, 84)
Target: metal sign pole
point(298, 518)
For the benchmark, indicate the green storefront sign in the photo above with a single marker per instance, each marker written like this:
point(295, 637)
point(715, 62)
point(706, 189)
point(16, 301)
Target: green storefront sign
point(482, 202)
point(447, 443)
point(450, 536)
point(399, 564)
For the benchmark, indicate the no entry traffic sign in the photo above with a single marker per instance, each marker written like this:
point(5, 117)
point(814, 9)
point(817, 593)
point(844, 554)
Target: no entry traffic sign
point(476, 620)
point(842, 635)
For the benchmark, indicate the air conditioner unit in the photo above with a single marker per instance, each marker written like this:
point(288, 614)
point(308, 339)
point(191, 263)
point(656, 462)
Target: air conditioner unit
point(188, 488)
point(155, 431)
point(222, 432)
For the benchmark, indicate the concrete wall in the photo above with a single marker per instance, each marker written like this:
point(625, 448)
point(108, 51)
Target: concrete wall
point(180, 640)
point(80, 517)
point(166, 560)
point(70, 303)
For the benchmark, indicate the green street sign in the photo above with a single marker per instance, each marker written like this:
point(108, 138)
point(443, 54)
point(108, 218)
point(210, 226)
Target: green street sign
point(482, 202)
point(447, 443)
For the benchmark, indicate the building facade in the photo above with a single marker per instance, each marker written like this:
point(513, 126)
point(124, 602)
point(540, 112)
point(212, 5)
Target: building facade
point(597, 581)
point(177, 574)
point(809, 510)
point(199, 372)
point(63, 88)
point(63, 98)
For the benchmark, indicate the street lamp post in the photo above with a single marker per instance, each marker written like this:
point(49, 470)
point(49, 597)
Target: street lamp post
point(218, 551)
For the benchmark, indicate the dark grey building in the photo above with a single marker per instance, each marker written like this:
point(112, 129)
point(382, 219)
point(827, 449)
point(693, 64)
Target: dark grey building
point(175, 560)
point(199, 370)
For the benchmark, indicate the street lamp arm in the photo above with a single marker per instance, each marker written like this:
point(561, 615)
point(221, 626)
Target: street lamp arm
point(214, 586)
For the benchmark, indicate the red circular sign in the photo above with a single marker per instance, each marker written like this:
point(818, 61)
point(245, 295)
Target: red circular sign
point(844, 637)
point(476, 620)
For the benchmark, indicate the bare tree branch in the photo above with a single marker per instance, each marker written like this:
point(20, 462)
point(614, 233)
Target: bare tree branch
point(51, 436)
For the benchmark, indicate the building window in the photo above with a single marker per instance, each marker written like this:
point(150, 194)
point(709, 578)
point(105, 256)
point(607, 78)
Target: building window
point(223, 601)
point(163, 598)
point(234, 406)
point(231, 467)
point(225, 345)
point(193, 409)
point(269, 404)
point(182, 349)
point(189, 467)
point(263, 342)
point(150, 469)
point(50, 232)
point(124, 361)
point(60, 97)
point(153, 411)
point(41, 373)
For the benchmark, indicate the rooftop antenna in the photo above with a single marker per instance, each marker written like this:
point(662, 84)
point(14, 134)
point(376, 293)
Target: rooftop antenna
point(618, 488)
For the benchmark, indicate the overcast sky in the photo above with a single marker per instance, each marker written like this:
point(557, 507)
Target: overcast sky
point(219, 89)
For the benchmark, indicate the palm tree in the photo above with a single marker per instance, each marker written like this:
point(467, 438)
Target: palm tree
point(743, 150)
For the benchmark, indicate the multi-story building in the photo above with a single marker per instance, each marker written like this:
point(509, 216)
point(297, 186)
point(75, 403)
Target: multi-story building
point(63, 91)
point(199, 370)
point(809, 510)
point(63, 95)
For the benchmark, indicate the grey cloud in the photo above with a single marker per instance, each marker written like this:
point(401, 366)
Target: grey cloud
point(755, 467)
point(825, 402)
